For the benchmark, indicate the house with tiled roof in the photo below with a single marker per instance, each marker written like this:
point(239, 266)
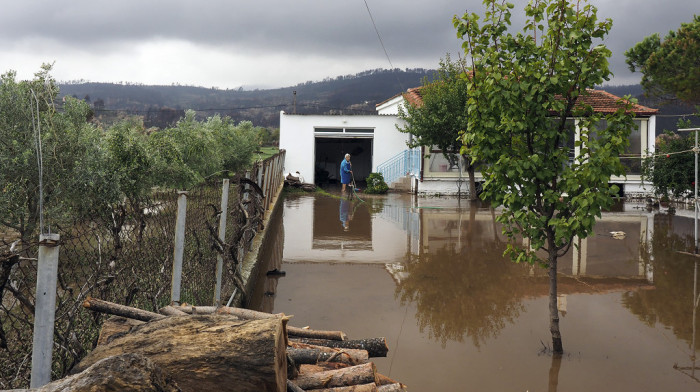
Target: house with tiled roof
point(316, 144)
point(445, 173)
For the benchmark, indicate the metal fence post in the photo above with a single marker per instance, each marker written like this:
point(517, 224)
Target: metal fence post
point(179, 247)
point(45, 310)
point(222, 237)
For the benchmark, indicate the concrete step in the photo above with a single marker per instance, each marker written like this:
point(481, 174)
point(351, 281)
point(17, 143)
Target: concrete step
point(401, 184)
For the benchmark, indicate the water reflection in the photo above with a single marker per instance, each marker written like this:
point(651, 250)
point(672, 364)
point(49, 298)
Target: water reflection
point(674, 301)
point(627, 302)
point(463, 286)
point(341, 230)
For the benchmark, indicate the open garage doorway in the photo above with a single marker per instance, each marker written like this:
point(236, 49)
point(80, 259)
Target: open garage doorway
point(330, 152)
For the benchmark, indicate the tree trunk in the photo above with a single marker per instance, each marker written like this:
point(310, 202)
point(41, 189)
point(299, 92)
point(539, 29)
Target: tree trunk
point(209, 352)
point(126, 372)
point(557, 346)
point(472, 182)
point(375, 347)
point(101, 306)
point(313, 356)
point(353, 375)
point(313, 334)
point(352, 388)
point(114, 327)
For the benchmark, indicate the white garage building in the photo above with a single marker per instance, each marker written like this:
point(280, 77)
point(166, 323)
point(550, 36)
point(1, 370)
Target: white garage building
point(316, 144)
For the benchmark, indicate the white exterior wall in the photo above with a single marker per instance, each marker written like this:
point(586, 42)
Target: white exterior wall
point(391, 106)
point(297, 137)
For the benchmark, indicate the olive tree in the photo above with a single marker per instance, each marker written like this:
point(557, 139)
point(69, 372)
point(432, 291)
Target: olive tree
point(523, 86)
point(33, 128)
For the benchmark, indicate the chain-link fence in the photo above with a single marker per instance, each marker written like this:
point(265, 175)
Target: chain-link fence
point(126, 256)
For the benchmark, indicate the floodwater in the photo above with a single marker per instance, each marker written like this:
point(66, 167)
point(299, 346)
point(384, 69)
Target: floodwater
point(428, 274)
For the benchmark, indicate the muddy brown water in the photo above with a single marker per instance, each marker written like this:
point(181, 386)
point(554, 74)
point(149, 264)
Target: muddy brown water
point(428, 274)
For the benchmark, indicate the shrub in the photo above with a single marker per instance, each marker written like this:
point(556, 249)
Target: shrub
point(376, 184)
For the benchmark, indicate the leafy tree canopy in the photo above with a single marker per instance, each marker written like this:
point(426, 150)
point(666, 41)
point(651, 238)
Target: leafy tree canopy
point(522, 89)
point(86, 171)
point(440, 117)
point(670, 68)
point(74, 178)
point(672, 168)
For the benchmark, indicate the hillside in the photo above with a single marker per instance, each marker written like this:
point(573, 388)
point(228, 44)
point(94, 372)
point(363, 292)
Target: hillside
point(351, 94)
point(162, 105)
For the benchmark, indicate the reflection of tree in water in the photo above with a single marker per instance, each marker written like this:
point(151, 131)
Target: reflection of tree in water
point(670, 303)
point(472, 291)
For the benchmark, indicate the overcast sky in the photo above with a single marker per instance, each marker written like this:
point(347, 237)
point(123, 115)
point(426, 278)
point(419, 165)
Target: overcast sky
point(267, 43)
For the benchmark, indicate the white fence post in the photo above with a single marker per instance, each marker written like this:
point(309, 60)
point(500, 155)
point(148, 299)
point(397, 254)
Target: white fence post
point(222, 237)
point(179, 247)
point(45, 310)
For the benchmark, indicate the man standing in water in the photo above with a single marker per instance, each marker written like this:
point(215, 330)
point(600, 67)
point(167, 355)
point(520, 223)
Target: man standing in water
point(345, 172)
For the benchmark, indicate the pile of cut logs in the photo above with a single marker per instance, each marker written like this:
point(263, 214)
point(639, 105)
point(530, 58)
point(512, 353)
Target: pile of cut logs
point(201, 348)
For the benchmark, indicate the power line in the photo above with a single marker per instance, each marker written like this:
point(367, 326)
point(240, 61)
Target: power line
point(381, 42)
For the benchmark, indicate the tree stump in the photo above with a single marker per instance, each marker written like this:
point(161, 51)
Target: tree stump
point(126, 372)
point(208, 352)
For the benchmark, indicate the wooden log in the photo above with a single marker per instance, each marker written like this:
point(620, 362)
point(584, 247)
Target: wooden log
point(209, 352)
point(358, 355)
point(352, 388)
point(248, 314)
point(384, 380)
point(101, 306)
point(312, 356)
point(115, 327)
point(292, 387)
point(190, 309)
point(353, 375)
point(321, 367)
point(396, 387)
point(171, 311)
point(125, 372)
point(313, 334)
point(376, 347)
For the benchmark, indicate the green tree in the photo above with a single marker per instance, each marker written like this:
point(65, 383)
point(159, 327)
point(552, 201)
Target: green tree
point(129, 161)
point(441, 116)
point(671, 169)
point(522, 88)
point(670, 68)
point(209, 147)
point(74, 180)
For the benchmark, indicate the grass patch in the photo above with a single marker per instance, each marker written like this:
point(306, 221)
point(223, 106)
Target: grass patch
point(264, 153)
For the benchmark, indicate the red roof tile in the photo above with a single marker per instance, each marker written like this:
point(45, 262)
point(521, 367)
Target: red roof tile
point(601, 101)
point(604, 102)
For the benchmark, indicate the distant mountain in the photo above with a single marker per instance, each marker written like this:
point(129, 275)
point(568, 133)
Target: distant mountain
point(162, 105)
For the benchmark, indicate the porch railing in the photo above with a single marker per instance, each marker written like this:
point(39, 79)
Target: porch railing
point(402, 164)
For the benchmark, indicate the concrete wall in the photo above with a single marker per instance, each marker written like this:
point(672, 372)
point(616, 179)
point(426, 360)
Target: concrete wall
point(298, 137)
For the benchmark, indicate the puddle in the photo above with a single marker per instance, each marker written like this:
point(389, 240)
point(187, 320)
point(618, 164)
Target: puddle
point(429, 275)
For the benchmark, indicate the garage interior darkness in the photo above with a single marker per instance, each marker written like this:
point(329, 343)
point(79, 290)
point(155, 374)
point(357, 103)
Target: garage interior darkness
point(329, 153)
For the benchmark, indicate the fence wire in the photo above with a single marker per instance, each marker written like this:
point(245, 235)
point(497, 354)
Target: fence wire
point(126, 256)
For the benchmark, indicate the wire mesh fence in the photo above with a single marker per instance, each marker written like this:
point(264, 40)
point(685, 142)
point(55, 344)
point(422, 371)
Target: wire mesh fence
point(126, 256)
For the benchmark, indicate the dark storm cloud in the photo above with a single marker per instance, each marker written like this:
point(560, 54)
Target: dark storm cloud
point(318, 26)
point(415, 33)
